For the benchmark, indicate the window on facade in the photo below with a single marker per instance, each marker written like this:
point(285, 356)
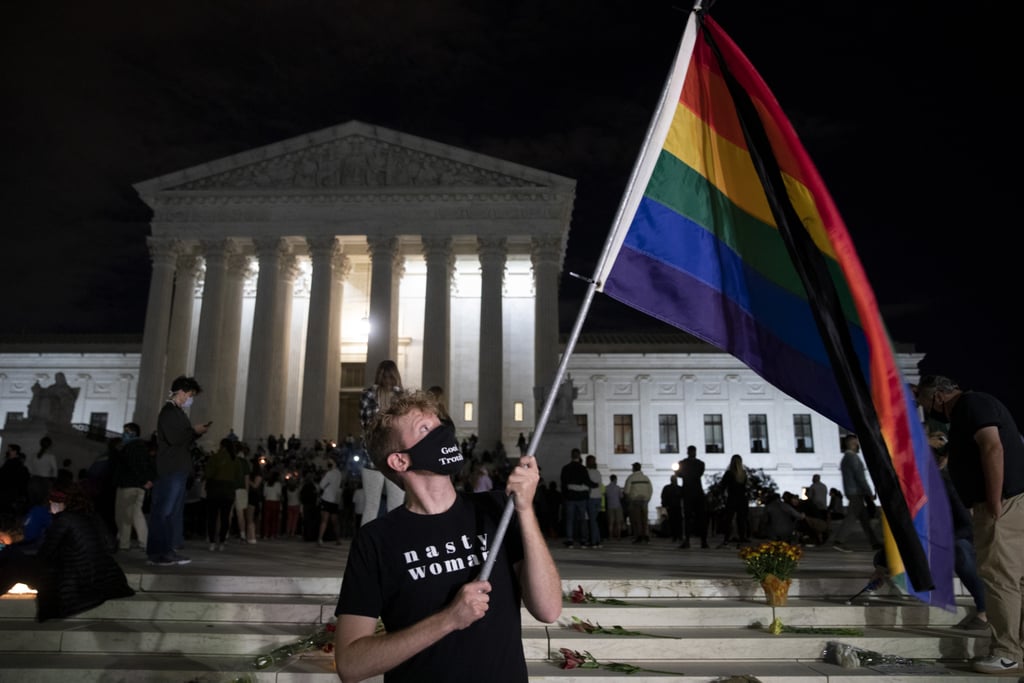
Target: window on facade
point(803, 434)
point(623, 433)
point(14, 417)
point(467, 411)
point(517, 411)
point(353, 375)
point(758, 432)
point(581, 422)
point(714, 434)
point(98, 425)
point(668, 433)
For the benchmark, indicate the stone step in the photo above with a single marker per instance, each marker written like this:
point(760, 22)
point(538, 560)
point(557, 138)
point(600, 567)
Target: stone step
point(27, 668)
point(634, 612)
point(212, 627)
point(676, 642)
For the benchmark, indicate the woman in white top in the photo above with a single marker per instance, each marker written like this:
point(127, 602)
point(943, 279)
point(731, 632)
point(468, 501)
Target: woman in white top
point(272, 492)
point(330, 502)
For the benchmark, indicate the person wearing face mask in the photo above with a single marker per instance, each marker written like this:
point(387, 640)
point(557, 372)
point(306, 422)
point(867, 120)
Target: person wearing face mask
point(417, 568)
point(175, 434)
point(986, 465)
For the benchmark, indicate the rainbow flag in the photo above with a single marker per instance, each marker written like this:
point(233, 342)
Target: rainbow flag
point(727, 231)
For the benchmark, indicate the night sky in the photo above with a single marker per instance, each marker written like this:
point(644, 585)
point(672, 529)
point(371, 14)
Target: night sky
point(904, 114)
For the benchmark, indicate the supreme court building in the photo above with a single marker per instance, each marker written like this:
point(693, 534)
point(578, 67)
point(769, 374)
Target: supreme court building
point(283, 275)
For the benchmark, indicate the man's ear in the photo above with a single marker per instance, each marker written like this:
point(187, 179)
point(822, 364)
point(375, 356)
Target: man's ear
point(399, 462)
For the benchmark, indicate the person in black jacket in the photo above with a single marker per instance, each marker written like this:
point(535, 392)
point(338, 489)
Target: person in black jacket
point(14, 477)
point(175, 436)
point(74, 569)
point(576, 485)
point(133, 473)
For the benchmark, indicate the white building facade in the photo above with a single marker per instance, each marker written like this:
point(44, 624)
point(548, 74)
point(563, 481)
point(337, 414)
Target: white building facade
point(283, 275)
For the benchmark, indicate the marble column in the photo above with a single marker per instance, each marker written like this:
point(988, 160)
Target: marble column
point(437, 252)
point(278, 386)
point(209, 338)
point(546, 258)
point(150, 394)
point(179, 340)
point(492, 254)
point(226, 391)
point(386, 267)
point(332, 400)
point(269, 252)
point(645, 422)
point(315, 387)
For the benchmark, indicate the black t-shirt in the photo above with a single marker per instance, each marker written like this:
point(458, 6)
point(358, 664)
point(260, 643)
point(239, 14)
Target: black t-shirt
point(973, 411)
point(403, 567)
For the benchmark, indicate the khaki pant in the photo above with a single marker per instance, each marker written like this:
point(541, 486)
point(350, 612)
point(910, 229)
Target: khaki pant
point(128, 513)
point(1000, 548)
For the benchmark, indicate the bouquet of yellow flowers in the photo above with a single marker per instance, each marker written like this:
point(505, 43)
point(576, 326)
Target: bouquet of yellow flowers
point(778, 558)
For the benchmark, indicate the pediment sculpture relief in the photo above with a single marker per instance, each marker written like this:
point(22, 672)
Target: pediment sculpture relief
point(357, 162)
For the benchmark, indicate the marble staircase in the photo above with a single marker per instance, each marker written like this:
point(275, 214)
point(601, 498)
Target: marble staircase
point(211, 627)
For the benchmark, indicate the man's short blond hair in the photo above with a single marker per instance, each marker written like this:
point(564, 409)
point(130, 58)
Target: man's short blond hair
point(382, 436)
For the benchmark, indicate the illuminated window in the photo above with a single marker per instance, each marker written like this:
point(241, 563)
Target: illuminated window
point(803, 434)
point(623, 433)
point(714, 433)
point(517, 411)
point(758, 423)
point(467, 411)
point(668, 433)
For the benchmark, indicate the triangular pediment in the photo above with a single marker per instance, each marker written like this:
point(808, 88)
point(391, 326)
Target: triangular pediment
point(351, 156)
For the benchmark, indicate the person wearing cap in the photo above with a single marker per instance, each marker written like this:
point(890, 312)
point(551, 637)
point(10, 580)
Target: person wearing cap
point(638, 490)
point(417, 569)
point(986, 464)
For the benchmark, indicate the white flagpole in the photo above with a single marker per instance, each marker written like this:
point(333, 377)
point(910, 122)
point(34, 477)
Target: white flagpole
point(630, 199)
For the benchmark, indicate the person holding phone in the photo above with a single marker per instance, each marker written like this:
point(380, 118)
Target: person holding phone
point(175, 435)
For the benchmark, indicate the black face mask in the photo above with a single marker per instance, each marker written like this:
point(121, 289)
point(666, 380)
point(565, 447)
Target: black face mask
point(437, 452)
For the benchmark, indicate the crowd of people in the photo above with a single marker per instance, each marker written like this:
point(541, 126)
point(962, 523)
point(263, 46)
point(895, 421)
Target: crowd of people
point(152, 494)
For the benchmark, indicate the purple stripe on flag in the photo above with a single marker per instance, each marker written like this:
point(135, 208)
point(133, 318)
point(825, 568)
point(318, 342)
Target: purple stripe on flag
point(670, 295)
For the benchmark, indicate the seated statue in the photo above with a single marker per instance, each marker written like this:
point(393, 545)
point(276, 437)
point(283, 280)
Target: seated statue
point(55, 403)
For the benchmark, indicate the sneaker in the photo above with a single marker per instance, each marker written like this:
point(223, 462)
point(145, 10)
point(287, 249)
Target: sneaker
point(161, 561)
point(995, 665)
point(597, 545)
point(972, 622)
point(220, 546)
point(568, 544)
point(840, 547)
point(213, 547)
point(179, 559)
